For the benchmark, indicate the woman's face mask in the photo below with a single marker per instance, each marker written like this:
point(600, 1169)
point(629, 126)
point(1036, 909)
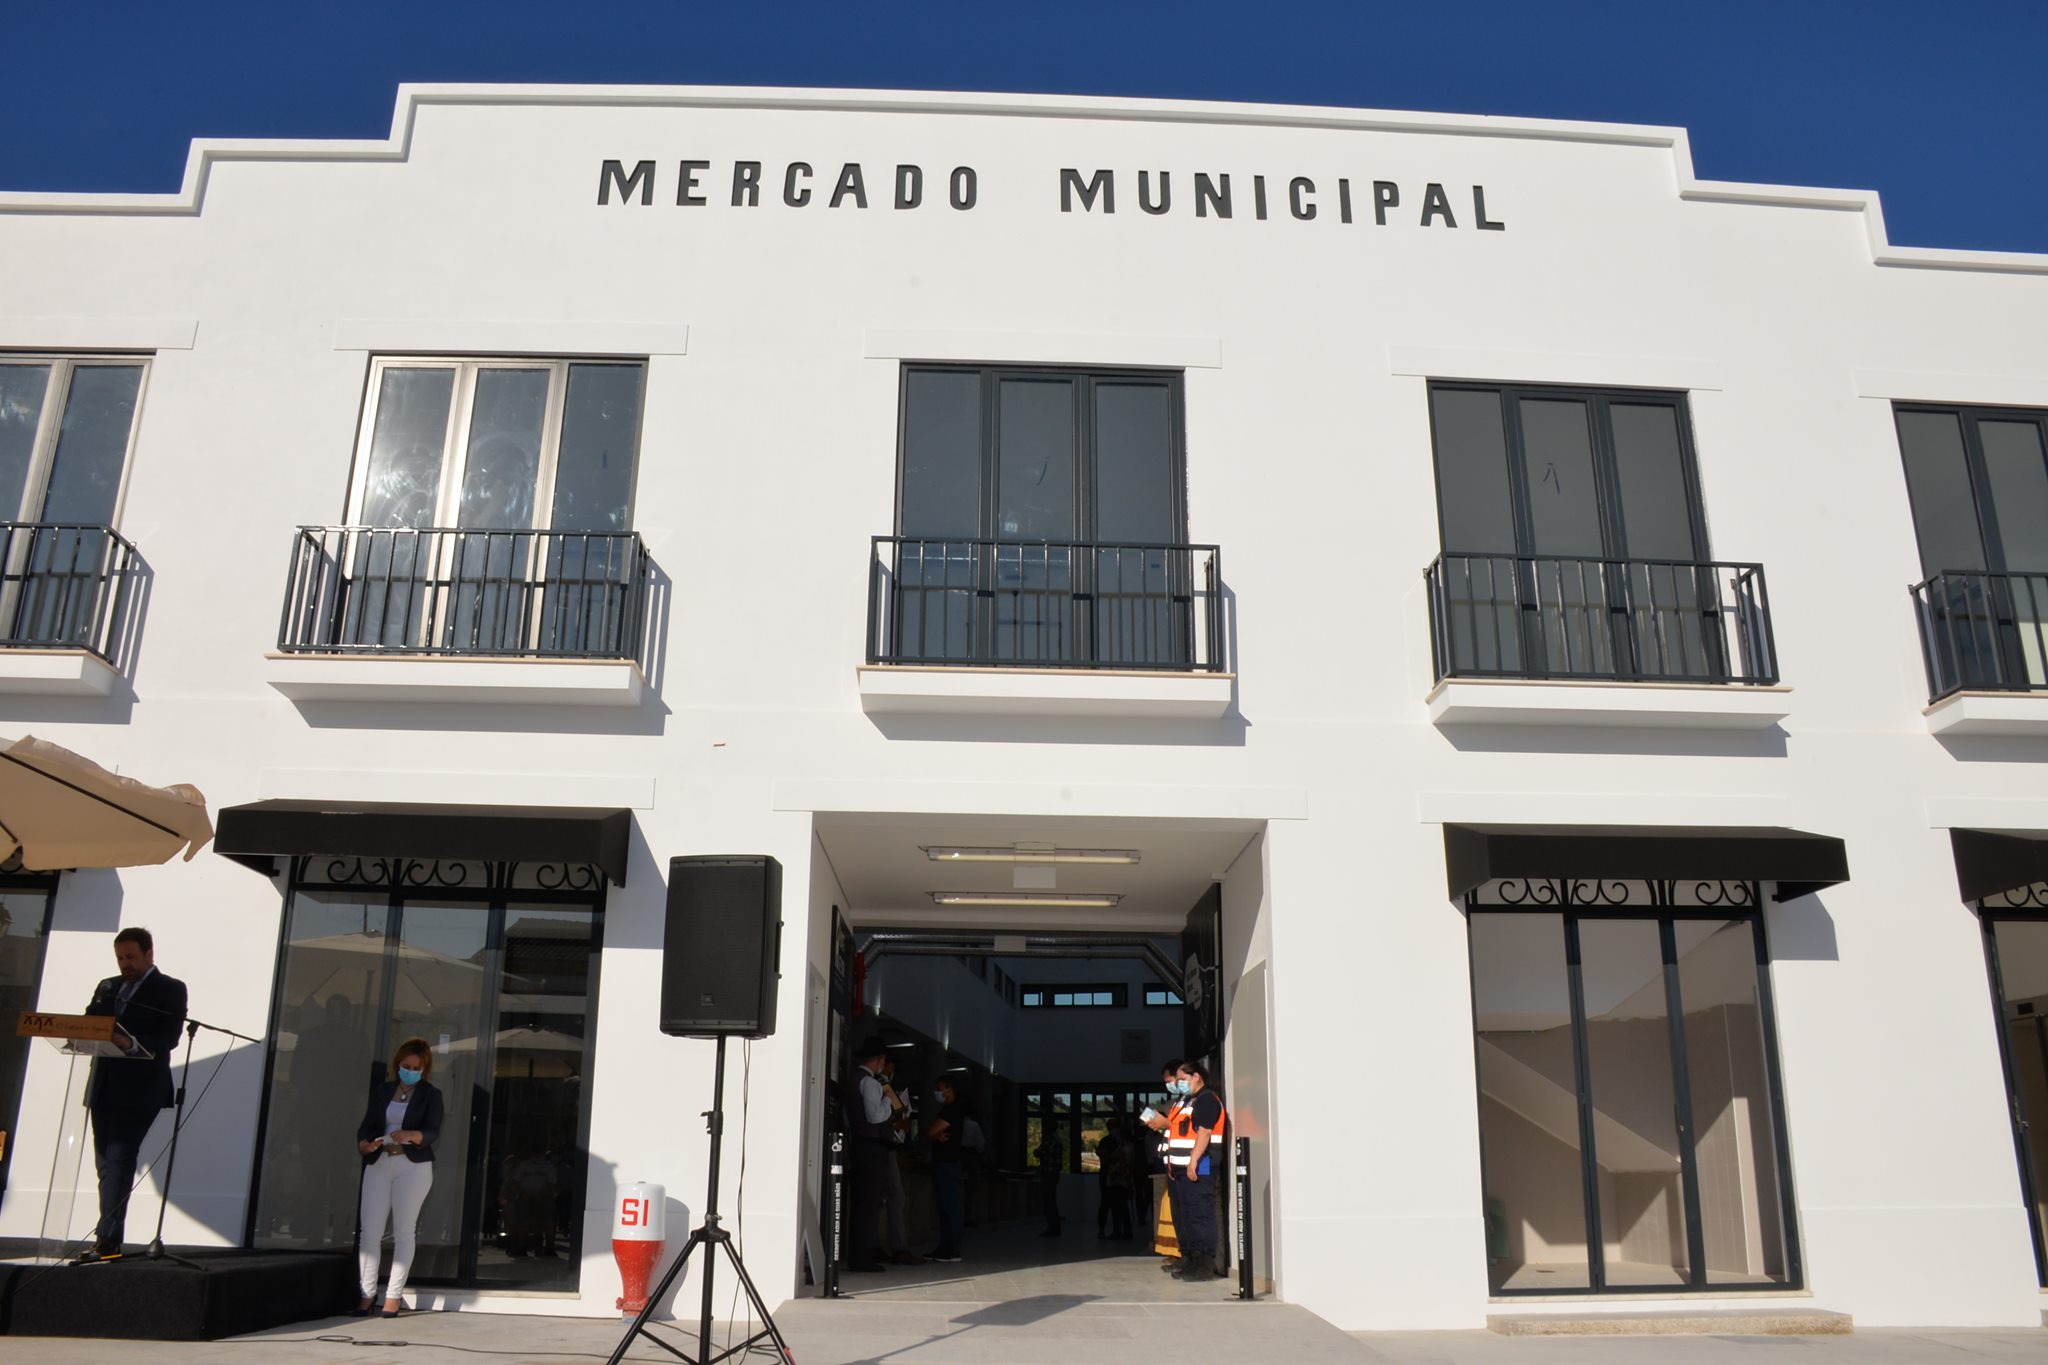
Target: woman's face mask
point(410, 1075)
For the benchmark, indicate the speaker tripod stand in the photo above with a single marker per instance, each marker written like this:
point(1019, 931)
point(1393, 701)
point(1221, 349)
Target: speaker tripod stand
point(714, 1239)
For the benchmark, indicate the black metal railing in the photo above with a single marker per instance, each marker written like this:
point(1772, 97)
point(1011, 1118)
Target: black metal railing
point(1632, 620)
point(1983, 632)
point(66, 585)
point(1046, 604)
point(438, 591)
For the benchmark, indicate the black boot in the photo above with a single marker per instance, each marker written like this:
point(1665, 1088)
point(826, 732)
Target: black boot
point(1194, 1269)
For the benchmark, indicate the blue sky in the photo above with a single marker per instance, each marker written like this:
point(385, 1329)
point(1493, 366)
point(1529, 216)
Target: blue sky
point(1941, 106)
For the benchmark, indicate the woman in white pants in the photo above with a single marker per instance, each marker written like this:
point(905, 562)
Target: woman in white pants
point(396, 1139)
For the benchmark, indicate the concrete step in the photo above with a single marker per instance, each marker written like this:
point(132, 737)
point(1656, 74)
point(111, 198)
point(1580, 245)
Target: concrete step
point(1712, 1322)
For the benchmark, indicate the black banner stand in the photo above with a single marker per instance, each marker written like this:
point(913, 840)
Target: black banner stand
point(713, 1239)
point(1244, 1218)
point(837, 1175)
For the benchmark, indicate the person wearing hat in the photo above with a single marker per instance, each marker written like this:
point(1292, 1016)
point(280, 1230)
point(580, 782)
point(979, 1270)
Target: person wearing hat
point(871, 1138)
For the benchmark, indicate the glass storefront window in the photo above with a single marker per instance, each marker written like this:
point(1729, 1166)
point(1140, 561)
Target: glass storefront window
point(501, 986)
point(24, 934)
point(1628, 1098)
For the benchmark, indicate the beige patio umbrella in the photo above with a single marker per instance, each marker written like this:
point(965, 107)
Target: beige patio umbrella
point(58, 810)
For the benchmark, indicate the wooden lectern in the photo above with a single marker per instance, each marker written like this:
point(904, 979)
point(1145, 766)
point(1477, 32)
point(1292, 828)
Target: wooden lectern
point(79, 1037)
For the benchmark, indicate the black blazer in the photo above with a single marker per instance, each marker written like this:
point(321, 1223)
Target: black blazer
point(422, 1112)
point(153, 1017)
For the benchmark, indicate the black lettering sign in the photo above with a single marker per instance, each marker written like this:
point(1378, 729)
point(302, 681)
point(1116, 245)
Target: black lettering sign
point(614, 173)
point(1259, 197)
point(1344, 200)
point(686, 183)
point(964, 189)
point(1297, 205)
point(1103, 184)
point(1145, 192)
point(1435, 202)
point(1208, 194)
point(1479, 211)
point(1385, 195)
point(746, 184)
point(791, 195)
point(850, 182)
point(909, 186)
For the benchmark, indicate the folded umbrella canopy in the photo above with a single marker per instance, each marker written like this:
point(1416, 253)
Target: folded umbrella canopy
point(58, 810)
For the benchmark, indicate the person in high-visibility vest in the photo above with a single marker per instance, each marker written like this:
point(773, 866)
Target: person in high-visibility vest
point(1164, 1243)
point(1194, 1158)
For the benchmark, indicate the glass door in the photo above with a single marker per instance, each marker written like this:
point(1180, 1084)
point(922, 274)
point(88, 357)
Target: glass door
point(24, 935)
point(1630, 1129)
point(502, 988)
point(2018, 952)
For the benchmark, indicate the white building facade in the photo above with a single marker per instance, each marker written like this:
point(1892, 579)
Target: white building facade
point(1473, 558)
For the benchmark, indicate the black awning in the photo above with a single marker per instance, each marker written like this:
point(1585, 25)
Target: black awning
point(263, 830)
point(1798, 862)
point(1991, 862)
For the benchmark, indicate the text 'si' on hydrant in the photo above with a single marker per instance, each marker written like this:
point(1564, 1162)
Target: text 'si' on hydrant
point(637, 1237)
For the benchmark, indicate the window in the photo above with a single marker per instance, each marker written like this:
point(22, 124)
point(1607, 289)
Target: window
point(495, 965)
point(1574, 542)
point(1036, 519)
point(1631, 1131)
point(1157, 997)
point(1978, 482)
point(67, 427)
point(25, 899)
point(490, 512)
point(1082, 996)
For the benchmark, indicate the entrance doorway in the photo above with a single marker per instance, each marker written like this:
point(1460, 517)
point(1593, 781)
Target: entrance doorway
point(1042, 971)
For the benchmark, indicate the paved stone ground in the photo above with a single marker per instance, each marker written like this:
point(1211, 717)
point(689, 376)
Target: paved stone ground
point(1043, 1332)
point(1021, 1300)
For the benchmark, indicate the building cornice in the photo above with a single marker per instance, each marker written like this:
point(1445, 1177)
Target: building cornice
point(207, 152)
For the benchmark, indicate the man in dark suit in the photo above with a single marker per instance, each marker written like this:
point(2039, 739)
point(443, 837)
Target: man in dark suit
point(126, 1093)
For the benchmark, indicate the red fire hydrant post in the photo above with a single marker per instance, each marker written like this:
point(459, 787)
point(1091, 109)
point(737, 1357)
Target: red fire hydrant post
point(637, 1240)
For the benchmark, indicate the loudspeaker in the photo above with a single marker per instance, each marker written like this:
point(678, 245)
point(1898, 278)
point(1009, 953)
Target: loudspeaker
point(722, 947)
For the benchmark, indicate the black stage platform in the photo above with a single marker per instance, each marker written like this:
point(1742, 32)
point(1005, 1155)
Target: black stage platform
point(239, 1291)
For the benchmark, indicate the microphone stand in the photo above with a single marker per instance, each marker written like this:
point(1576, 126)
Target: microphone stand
point(156, 1250)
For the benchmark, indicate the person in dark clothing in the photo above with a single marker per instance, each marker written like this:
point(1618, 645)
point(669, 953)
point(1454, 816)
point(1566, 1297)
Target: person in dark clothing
point(1051, 1160)
point(872, 1148)
point(944, 1130)
point(1113, 1182)
point(1194, 1159)
point(126, 1094)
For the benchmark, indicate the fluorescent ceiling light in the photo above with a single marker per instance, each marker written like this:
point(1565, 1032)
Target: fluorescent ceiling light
point(1035, 853)
point(1025, 899)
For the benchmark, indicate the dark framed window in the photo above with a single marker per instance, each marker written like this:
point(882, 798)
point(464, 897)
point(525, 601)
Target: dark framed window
point(27, 901)
point(1977, 479)
point(1083, 995)
point(1041, 518)
point(1575, 541)
point(1632, 1135)
point(495, 965)
point(1161, 997)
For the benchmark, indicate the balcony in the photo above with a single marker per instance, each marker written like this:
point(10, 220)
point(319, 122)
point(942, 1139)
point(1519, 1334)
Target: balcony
point(1045, 628)
point(1984, 639)
point(443, 614)
point(68, 592)
point(1545, 640)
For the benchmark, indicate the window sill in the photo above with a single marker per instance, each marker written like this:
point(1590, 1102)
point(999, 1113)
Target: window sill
point(55, 673)
point(1989, 713)
point(898, 689)
point(1686, 706)
point(557, 682)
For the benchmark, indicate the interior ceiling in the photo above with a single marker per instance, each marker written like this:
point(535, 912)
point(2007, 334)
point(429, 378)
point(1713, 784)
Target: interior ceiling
point(888, 880)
